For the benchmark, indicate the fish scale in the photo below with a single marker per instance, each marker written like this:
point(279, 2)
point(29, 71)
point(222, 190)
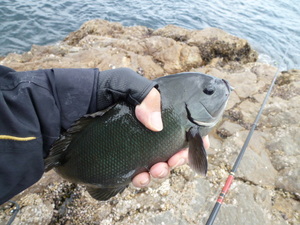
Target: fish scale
point(107, 149)
point(114, 162)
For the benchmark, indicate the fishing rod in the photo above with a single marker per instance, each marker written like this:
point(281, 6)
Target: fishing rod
point(15, 212)
point(230, 178)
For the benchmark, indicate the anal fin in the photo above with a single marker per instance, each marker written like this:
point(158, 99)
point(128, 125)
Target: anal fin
point(103, 194)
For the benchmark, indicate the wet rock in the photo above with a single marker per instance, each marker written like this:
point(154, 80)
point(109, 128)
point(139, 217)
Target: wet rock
point(248, 109)
point(257, 169)
point(173, 55)
point(244, 207)
point(284, 147)
point(264, 72)
point(163, 51)
point(96, 27)
point(227, 129)
point(174, 32)
point(245, 84)
point(34, 210)
point(289, 179)
point(286, 208)
point(214, 42)
point(166, 218)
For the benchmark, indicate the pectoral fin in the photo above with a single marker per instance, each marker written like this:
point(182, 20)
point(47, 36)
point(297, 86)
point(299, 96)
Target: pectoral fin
point(103, 194)
point(197, 153)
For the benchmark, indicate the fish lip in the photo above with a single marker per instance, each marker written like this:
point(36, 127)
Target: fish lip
point(228, 85)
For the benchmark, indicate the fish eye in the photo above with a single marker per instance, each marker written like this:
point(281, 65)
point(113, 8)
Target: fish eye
point(209, 90)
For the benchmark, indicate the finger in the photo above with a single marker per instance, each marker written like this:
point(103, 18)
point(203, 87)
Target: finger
point(160, 170)
point(141, 180)
point(149, 111)
point(206, 142)
point(179, 158)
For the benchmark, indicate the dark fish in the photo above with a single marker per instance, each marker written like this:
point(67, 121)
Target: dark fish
point(105, 150)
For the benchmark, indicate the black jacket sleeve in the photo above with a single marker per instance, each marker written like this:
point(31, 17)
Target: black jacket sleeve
point(36, 105)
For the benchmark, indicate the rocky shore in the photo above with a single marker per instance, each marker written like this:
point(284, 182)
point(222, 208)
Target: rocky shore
point(267, 185)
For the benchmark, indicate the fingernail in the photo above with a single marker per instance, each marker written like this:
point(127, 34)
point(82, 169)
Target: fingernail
point(144, 183)
point(179, 163)
point(163, 173)
point(156, 121)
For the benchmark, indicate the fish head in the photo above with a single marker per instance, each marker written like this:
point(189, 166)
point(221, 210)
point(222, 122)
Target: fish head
point(199, 100)
point(199, 97)
point(205, 99)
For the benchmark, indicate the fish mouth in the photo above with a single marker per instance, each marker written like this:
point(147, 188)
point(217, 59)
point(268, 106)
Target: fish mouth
point(230, 88)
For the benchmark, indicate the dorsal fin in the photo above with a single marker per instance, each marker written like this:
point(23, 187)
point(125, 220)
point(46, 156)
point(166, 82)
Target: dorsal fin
point(60, 146)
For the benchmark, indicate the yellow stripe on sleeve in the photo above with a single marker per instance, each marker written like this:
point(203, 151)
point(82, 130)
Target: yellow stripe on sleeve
point(8, 137)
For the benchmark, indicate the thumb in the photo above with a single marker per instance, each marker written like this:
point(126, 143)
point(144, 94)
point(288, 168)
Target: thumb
point(149, 111)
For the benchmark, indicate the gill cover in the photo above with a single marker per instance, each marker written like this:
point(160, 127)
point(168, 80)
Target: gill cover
point(207, 99)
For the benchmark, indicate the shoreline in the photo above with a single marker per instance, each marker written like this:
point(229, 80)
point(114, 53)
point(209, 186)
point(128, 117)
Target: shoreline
point(261, 57)
point(170, 49)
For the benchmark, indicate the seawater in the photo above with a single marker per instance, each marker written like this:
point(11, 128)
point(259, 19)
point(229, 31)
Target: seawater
point(271, 27)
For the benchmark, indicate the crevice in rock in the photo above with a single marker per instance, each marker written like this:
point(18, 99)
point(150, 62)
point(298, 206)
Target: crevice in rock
point(282, 192)
point(288, 194)
point(62, 201)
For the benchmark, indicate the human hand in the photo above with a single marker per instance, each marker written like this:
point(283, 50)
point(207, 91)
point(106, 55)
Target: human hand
point(149, 113)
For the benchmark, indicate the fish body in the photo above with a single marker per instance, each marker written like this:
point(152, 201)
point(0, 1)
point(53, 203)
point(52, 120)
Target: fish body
point(105, 150)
